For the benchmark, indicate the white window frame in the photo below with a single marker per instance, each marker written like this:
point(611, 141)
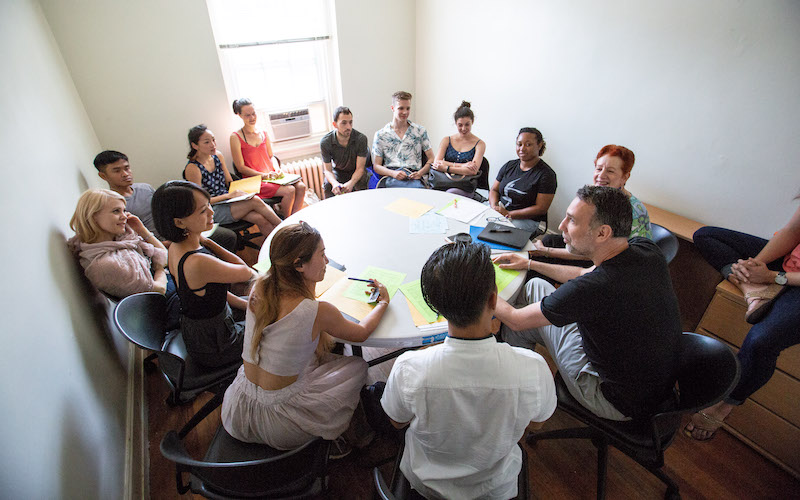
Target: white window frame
point(320, 110)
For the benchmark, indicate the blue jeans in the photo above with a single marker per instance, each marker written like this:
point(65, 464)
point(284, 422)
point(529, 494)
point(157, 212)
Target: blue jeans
point(777, 331)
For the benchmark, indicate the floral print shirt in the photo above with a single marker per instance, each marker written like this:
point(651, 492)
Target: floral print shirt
point(407, 152)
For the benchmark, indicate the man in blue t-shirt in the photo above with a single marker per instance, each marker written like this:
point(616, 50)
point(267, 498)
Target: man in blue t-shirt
point(613, 329)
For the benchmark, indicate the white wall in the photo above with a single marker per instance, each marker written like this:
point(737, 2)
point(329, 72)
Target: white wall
point(377, 58)
point(705, 94)
point(147, 71)
point(62, 389)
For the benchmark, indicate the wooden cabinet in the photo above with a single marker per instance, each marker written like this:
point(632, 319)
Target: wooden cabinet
point(769, 420)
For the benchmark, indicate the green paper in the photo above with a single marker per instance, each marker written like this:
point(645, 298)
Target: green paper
point(263, 266)
point(502, 277)
point(413, 293)
point(390, 279)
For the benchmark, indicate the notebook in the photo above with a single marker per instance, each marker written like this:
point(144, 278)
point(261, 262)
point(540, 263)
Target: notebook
point(505, 235)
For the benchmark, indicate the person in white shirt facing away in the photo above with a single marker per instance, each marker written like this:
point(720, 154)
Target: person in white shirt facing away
point(468, 401)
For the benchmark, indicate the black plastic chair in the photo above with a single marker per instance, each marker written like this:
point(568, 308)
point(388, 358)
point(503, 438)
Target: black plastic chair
point(708, 372)
point(141, 319)
point(243, 235)
point(400, 489)
point(666, 241)
point(233, 469)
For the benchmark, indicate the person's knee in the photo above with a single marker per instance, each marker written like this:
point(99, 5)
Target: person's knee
point(536, 289)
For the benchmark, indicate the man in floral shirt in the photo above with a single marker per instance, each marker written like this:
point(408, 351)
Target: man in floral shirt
point(401, 150)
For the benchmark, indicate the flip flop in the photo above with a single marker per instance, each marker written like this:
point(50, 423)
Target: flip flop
point(768, 295)
point(714, 426)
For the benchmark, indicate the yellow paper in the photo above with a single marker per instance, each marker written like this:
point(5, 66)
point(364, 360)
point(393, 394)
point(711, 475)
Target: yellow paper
point(409, 208)
point(502, 277)
point(390, 279)
point(332, 275)
point(355, 308)
point(250, 185)
point(413, 293)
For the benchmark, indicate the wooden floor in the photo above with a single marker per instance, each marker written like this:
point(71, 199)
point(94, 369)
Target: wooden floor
point(721, 468)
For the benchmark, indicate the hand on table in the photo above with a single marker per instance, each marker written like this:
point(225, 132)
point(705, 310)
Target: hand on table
point(511, 261)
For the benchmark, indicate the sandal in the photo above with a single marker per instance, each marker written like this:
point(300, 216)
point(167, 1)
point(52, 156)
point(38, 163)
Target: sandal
point(756, 313)
point(713, 425)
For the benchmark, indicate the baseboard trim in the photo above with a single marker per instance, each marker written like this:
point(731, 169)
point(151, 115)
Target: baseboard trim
point(136, 485)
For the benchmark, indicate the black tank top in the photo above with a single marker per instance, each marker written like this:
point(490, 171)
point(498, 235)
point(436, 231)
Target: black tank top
point(201, 306)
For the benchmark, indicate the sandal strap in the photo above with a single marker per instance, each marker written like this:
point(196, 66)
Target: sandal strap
point(714, 421)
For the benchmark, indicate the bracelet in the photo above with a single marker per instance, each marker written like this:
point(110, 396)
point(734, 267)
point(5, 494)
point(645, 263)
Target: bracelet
point(529, 265)
point(448, 169)
point(385, 302)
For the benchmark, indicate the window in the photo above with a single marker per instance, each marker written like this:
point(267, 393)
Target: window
point(280, 54)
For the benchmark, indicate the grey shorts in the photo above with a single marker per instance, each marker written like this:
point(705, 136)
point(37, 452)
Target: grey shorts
point(222, 213)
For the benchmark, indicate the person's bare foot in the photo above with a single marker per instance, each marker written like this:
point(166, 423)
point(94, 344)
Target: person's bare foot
point(705, 423)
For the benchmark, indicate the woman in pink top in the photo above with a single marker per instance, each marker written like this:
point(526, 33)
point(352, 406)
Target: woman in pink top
point(252, 155)
point(290, 389)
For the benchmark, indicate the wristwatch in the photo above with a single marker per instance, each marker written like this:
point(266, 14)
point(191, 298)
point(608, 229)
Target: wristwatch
point(780, 278)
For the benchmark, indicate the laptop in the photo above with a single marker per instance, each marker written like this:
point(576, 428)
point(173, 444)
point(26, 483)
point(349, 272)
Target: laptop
point(505, 235)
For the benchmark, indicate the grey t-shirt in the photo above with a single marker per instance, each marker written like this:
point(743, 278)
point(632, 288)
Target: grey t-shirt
point(139, 205)
point(343, 158)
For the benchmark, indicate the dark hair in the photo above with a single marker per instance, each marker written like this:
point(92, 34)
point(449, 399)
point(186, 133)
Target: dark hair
point(464, 111)
point(291, 246)
point(537, 134)
point(195, 133)
point(621, 152)
point(457, 281)
point(401, 95)
point(238, 104)
point(612, 207)
point(341, 110)
point(107, 158)
point(171, 201)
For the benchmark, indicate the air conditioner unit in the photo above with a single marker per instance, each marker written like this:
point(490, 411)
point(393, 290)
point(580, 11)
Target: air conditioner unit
point(290, 124)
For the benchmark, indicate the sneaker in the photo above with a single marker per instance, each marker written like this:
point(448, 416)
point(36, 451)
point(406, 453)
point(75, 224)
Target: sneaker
point(340, 448)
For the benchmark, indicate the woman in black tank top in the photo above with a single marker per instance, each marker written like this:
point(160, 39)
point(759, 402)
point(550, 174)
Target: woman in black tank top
point(203, 272)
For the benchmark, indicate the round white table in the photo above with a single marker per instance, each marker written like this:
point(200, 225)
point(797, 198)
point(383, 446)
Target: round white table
point(359, 232)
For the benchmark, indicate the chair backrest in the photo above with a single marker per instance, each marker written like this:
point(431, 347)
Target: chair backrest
point(142, 319)
point(708, 372)
point(237, 469)
point(483, 180)
point(666, 241)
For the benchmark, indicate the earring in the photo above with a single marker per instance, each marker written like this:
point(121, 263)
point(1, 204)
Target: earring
point(185, 232)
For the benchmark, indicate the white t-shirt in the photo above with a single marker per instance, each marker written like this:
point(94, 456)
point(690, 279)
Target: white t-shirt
point(469, 402)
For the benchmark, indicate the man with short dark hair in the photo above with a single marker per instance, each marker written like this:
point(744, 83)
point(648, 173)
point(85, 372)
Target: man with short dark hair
point(402, 150)
point(344, 155)
point(613, 329)
point(467, 401)
point(114, 168)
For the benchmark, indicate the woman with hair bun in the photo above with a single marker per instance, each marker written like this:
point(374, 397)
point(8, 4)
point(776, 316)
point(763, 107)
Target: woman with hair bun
point(462, 153)
point(525, 187)
point(291, 389)
point(252, 155)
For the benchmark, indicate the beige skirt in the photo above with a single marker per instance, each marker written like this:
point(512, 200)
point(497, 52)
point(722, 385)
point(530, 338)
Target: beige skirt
point(320, 403)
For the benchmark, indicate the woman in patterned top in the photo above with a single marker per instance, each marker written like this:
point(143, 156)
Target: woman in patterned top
point(207, 168)
point(461, 153)
point(612, 167)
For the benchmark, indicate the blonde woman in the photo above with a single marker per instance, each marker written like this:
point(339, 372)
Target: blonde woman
point(118, 254)
point(285, 395)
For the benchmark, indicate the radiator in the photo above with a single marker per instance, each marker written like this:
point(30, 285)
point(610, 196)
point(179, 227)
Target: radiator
point(310, 169)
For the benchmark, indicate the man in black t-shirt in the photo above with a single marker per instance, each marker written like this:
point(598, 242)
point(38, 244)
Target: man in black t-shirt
point(613, 329)
point(344, 155)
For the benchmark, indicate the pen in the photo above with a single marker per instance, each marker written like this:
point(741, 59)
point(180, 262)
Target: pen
point(359, 279)
point(455, 203)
